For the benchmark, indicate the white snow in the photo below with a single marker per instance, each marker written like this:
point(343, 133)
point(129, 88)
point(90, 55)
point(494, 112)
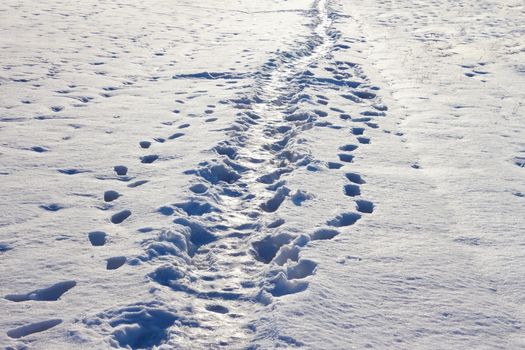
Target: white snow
point(262, 174)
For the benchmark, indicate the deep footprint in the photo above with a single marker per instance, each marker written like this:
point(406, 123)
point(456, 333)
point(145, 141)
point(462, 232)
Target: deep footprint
point(110, 196)
point(364, 206)
point(121, 170)
point(145, 144)
point(115, 262)
point(323, 234)
point(355, 178)
point(352, 190)
point(120, 216)
point(97, 238)
point(347, 158)
point(149, 158)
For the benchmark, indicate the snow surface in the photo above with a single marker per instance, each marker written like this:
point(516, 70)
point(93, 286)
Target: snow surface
point(262, 174)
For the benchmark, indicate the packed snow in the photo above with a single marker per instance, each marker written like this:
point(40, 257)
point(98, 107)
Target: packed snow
point(264, 174)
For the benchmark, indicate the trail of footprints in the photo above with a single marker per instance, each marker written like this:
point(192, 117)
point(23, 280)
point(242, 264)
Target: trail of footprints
point(224, 245)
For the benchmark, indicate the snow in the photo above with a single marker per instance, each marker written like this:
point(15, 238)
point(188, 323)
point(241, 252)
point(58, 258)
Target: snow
point(255, 175)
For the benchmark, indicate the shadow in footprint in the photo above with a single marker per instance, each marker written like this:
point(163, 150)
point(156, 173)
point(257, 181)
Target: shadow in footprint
point(120, 216)
point(348, 148)
point(364, 206)
point(110, 196)
point(51, 293)
point(121, 170)
point(149, 158)
point(352, 190)
point(115, 262)
point(145, 144)
point(344, 219)
point(347, 158)
point(97, 238)
point(52, 207)
point(33, 328)
point(275, 202)
point(355, 178)
point(334, 165)
point(323, 234)
point(266, 249)
point(217, 309)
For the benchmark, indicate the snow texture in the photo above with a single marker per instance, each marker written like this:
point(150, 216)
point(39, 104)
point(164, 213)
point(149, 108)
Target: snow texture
point(265, 174)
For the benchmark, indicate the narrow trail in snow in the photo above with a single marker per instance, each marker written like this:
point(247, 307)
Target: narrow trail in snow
point(225, 254)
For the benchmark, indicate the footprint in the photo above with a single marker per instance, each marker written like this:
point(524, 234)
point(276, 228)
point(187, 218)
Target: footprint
point(145, 144)
point(199, 188)
point(323, 234)
point(275, 202)
point(217, 308)
point(176, 135)
point(320, 113)
point(363, 140)
point(121, 170)
point(373, 114)
point(110, 196)
point(72, 171)
point(51, 293)
point(137, 183)
point(344, 219)
point(199, 234)
point(39, 149)
point(352, 190)
point(519, 161)
point(334, 165)
point(120, 216)
point(52, 207)
point(273, 176)
point(355, 178)
point(149, 158)
point(217, 173)
point(300, 196)
point(166, 210)
point(364, 206)
point(266, 249)
point(276, 223)
point(33, 328)
point(143, 325)
point(364, 94)
point(97, 238)
point(358, 131)
point(115, 262)
point(348, 148)
point(345, 157)
point(196, 207)
point(352, 98)
point(227, 151)
point(4, 247)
